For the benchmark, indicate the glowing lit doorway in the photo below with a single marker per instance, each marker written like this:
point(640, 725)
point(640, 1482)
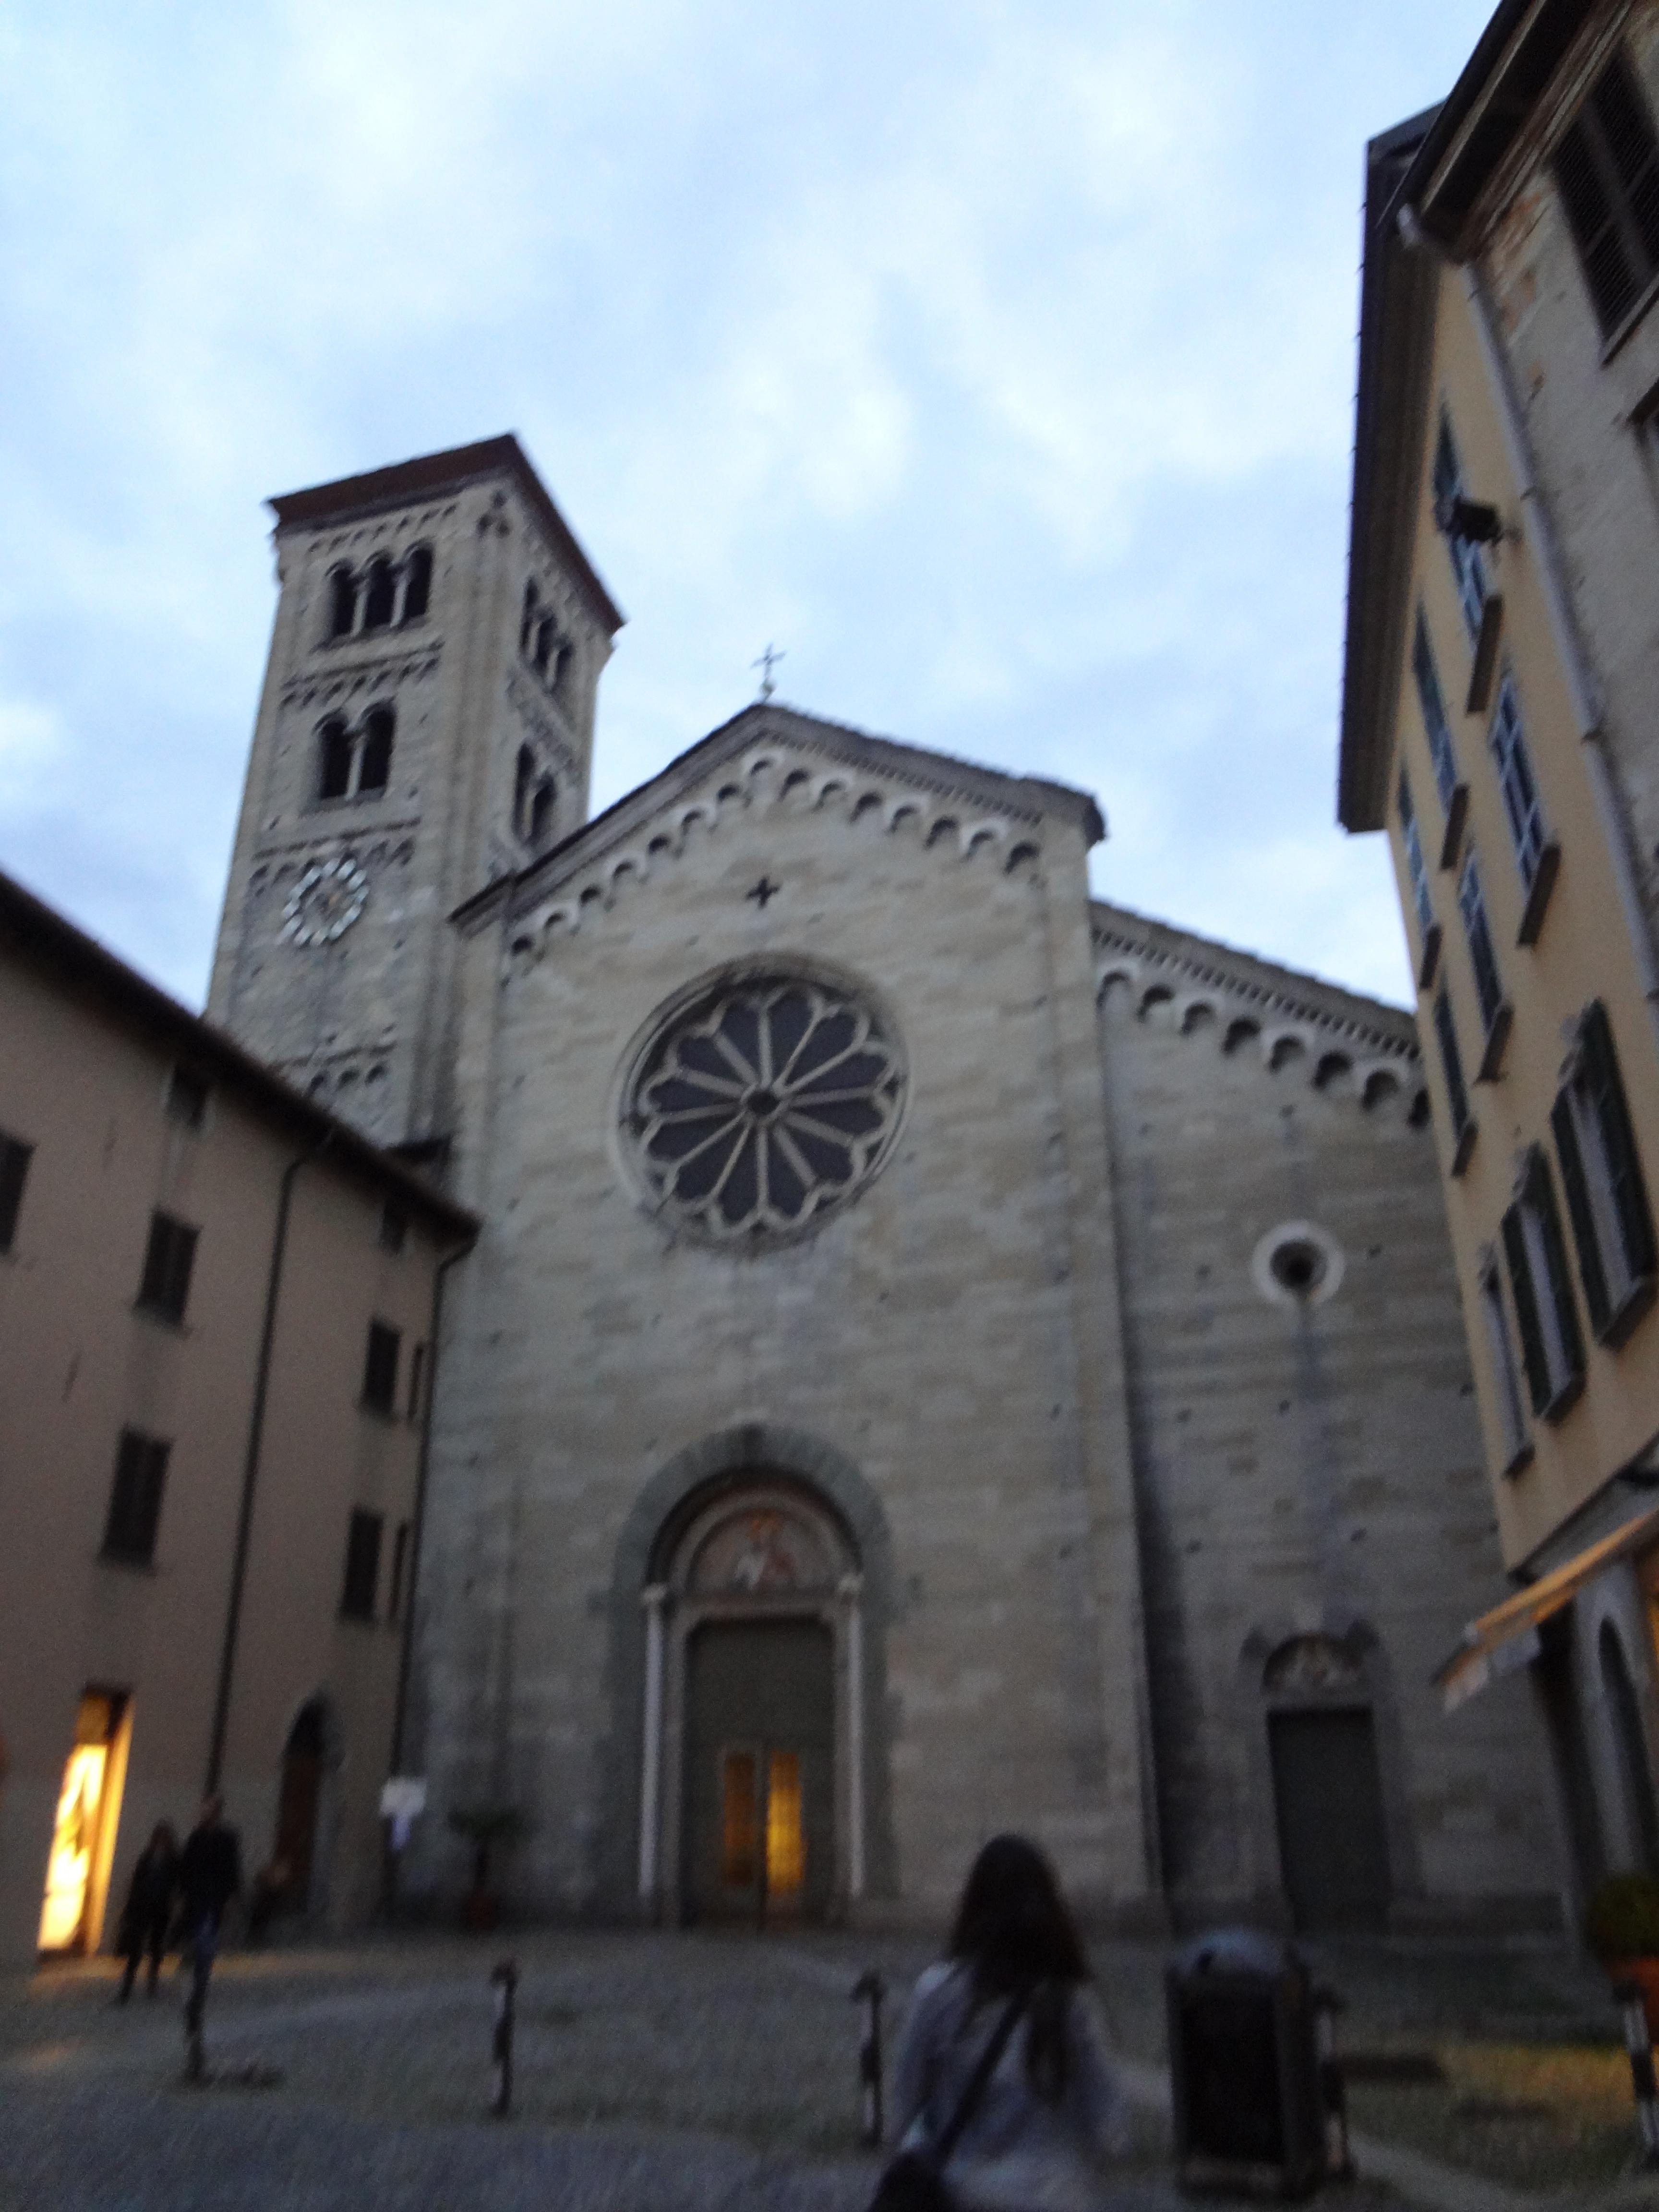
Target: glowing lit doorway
point(760, 1772)
point(84, 1831)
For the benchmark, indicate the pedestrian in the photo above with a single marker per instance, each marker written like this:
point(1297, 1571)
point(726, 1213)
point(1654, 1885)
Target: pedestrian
point(1003, 2100)
point(147, 1913)
point(209, 1875)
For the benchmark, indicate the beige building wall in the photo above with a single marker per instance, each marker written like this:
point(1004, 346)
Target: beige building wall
point(85, 1080)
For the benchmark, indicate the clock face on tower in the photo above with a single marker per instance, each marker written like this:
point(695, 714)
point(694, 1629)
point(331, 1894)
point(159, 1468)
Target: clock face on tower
point(324, 902)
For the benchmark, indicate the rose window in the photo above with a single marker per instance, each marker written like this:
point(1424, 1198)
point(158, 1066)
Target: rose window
point(764, 1102)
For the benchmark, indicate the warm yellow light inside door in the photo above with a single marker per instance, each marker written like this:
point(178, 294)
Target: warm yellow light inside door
point(74, 1838)
point(786, 1841)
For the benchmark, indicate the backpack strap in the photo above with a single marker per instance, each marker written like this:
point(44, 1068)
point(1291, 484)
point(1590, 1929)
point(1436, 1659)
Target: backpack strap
point(981, 2074)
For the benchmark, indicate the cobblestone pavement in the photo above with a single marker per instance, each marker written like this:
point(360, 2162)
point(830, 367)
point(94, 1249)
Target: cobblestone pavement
point(668, 2073)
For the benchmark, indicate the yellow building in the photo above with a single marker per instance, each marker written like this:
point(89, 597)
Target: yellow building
point(1500, 686)
point(216, 1302)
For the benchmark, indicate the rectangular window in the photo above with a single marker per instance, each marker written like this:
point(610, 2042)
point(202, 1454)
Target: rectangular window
point(417, 1380)
point(1435, 725)
point(399, 1572)
point(1417, 871)
point(394, 1227)
point(362, 1566)
point(1552, 1346)
point(135, 1500)
point(187, 1097)
point(14, 1158)
point(1469, 569)
point(1606, 168)
point(165, 1288)
point(1601, 1168)
point(1452, 1062)
point(1472, 905)
point(1521, 808)
point(381, 1368)
point(1506, 1378)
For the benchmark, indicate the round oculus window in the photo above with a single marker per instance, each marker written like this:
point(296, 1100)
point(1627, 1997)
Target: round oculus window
point(762, 1103)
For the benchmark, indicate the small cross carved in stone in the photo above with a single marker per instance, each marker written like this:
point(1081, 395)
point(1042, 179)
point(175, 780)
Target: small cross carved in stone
point(764, 890)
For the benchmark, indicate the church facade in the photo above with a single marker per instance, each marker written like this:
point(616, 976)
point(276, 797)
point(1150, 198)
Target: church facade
point(942, 1354)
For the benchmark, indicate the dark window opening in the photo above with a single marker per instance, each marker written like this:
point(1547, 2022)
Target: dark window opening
point(1297, 1266)
point(341, 603)
point(527, 620)
point(541, 811)
point(135, 1503)
point(1608, 169)
point(394, 1227)
point(14, 1158)
point(381, 1368)
point(187, 1097)
point(394, 1609)
point(362, 1566)
point(524, 771)
point(417, 583)
point(381, 595)
point(546, 638)
point(376, 770)
point(165, 1288)
point(1601, 1168)
point(416, 1380)
point(333, 760)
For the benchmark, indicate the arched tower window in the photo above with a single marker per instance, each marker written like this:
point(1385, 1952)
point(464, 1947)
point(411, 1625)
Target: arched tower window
point(376, 767)
point(524, 773)
point(547, 637)
point(334, 759)
point(341, 602)
point(417, 582)
point(382, 594)
point(541, 811)
point(527, 620)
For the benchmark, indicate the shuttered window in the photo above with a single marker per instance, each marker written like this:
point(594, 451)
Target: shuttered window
point(1457, 1095)
point(1552, 1344)
point(381, 1368)
point(1469, 569)
point(1606, 167)
point(1472, 905)
point(1435, 725)
point(168, 1260)
point(1521, 808)
point(14, 1158)
point(1415, 870)
point(1602, 1168)
point(135, 1500)
point(1506, 1376)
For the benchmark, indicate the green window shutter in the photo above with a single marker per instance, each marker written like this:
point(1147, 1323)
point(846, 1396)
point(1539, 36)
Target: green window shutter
point(1612, 1109)
point(1526, 1312)
point(1555, 1258)
point(1591, 1270)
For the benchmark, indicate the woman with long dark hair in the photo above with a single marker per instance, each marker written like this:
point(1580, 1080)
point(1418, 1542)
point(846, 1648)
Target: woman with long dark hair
point(1013, 1990)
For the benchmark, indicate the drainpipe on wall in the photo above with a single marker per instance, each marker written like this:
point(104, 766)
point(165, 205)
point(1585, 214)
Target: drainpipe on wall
point(400, 1711)
point(250, 1469)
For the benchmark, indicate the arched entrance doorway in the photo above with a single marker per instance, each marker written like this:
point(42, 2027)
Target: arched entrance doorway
point(752, 1808)
point(1326, 1786)
point(307, 1759)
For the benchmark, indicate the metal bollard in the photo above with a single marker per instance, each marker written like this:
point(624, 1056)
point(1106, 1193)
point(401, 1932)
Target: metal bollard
point(868, 1990)
point(1639, 2044)
point(504, 1980)
point(1333, 2089)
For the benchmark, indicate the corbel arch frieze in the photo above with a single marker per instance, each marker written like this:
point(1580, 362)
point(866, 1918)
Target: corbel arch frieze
point(1342, 1062)
point(763, 781)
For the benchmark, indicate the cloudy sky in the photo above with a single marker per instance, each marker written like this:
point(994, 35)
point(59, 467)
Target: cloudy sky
point(995, 361)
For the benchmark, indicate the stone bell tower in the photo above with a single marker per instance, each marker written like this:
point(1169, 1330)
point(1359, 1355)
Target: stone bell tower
point(426, 726)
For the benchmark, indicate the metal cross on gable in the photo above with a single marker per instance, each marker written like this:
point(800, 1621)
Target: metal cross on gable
point(768, 661)
point(764, 890)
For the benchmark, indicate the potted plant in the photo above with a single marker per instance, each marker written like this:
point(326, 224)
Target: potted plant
point(487, 1828)
point(1621, 1928)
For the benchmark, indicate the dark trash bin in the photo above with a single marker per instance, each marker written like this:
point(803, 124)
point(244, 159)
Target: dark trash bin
point(1244, 2067)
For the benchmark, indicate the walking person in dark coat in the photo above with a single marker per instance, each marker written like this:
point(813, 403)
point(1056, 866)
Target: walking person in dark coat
point(148, 1911)
point(209, 1875)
